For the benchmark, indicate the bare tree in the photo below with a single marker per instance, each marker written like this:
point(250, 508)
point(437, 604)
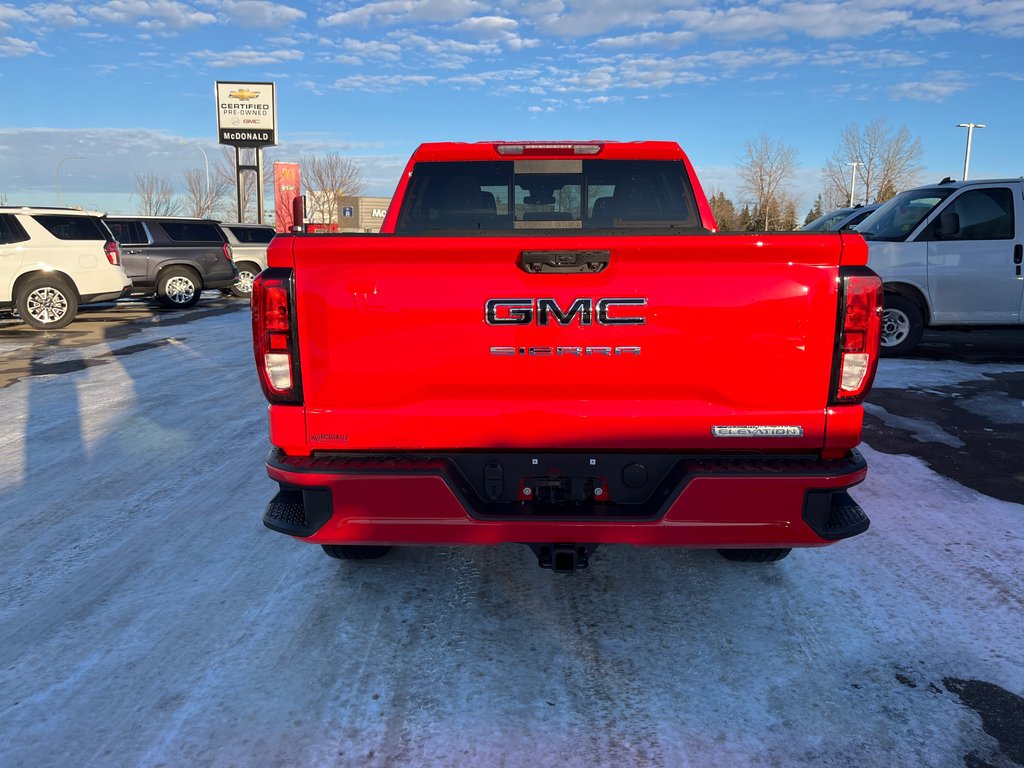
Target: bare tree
point(769, 166)
point(156, 195)
point(888, 162)
point(325, 178)
point(204, 197)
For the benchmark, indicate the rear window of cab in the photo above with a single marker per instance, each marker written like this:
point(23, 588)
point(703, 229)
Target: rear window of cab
point(574, 194)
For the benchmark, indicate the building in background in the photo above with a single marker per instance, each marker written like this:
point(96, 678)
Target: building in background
point(361, 214)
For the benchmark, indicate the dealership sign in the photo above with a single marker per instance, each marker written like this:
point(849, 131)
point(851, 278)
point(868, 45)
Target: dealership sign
point(246, 114)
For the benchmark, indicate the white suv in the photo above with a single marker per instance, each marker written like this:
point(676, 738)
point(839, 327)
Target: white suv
point(54, 259)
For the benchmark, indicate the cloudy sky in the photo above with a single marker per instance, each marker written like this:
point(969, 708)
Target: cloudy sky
point(126, 86)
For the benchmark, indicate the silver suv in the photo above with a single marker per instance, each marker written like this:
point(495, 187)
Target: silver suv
point(249, 245)
point(52, 260)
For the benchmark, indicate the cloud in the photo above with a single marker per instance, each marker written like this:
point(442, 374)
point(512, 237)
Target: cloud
point(647, 39)
point(16, 48)
point(246, 57)
point(374, 49)
point(151, 14)
point(846, 55)
point(256, 13)
point(111, 158)
point(1004, 18)
point(381, 83)
point(394, 11)
point(57, 15)
point(10, 15)
point(941, 86)
point(488, 26)
point(582, 18)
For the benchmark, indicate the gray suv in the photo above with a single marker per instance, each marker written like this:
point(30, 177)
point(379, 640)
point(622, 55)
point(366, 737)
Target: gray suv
point(173, 258)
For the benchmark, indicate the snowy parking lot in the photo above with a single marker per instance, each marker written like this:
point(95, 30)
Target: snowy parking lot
point(147, 618)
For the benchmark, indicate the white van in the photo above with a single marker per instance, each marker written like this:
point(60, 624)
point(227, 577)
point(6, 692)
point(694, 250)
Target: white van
point(949, 254)
point(52, 260)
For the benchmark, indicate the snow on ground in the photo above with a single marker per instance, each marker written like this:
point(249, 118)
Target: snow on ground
point(147, 618)
point(930, 375)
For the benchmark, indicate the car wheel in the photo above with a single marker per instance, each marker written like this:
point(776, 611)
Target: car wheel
point(47, 303)
point(178, 287)
point(354, 551)
point(246, 274)
point(754, 555)
point(902, 325)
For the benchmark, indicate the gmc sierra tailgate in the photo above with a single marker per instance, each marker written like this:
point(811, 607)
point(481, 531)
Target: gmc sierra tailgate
point(501, 342)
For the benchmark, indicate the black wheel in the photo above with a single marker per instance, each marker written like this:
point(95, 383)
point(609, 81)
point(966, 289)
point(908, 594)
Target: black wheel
point(47, 303)
point(178, 287)
point(902, 325)
point(754, 555)
point(354, 551)
point(247, 272)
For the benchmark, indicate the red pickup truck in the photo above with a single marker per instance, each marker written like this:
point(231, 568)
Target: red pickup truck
point(550, 344)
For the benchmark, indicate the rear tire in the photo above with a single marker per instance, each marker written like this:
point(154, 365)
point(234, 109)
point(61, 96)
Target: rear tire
point(247, 272)
point(902, 325)
point(754, 555)
point(354, 551)
point(178, 288)
point(47, 303)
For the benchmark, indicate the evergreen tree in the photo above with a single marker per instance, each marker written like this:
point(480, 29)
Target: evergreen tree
point(725, 212)
point(816, 212)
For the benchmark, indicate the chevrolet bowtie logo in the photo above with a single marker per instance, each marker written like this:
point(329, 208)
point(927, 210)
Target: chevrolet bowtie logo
point(244, 94)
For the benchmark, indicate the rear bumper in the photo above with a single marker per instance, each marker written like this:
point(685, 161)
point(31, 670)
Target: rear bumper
point(748, 502)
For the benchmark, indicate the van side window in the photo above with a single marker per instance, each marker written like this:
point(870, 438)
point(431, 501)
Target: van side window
point(985, 214)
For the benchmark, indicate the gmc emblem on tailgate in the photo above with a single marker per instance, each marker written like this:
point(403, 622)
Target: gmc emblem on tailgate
point(548, 312)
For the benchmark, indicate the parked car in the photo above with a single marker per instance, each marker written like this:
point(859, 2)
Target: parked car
point(249, 245)
point(949, 254)
point(174, 258)
point(53, 260)
point(841, 218)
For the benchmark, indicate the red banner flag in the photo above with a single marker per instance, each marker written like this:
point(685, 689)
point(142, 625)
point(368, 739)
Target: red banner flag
point(287, 187)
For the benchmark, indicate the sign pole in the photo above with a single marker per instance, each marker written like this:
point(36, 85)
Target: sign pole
point(238, 182)
point(259, 185)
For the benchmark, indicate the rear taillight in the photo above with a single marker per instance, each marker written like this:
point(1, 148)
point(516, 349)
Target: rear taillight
point(860, 326)
point(273, 338)
point(113, 251)
point(227, 251)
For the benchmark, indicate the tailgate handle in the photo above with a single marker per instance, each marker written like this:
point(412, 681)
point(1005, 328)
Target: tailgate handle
point(563, 261)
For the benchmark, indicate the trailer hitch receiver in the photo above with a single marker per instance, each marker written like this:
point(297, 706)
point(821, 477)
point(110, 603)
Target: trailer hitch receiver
point(563, 558)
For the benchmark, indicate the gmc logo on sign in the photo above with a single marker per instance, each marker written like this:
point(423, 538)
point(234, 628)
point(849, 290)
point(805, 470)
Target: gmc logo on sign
point(614, 311)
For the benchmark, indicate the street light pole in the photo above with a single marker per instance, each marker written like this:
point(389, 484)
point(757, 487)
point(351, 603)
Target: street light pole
point(853, 184)
point(206, 161)
point(59, 163)
point(970, 132)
